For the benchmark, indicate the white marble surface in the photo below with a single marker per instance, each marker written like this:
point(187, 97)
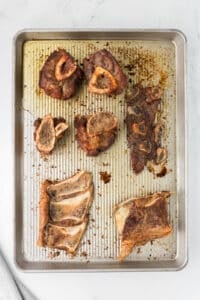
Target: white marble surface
point(185, 15)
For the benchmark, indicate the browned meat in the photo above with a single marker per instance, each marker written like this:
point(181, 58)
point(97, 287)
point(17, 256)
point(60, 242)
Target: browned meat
point(60, 75)
point(64, 207)
point(144, 136)
point(141, 220)
point(104, 74)
point(47, 131)
point(96, 133)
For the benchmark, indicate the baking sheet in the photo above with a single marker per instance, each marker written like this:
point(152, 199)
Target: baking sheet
point(148, 61)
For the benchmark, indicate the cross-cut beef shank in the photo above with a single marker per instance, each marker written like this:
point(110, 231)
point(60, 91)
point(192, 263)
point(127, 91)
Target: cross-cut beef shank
point(60, 75)
point(104, 74)
point(96, 133)
point(47, 131)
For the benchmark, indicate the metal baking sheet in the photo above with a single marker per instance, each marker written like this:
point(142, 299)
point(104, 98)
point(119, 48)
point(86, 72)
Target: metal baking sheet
point(156, 57)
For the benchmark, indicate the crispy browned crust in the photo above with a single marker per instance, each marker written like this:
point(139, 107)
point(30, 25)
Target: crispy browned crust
point(43, 212)
point(95, 143)
point(67, 248)
point(140, 220)
point(144, 136)
point(104, 74)
point(60, 76)
point(45, 128)
point(62, 234)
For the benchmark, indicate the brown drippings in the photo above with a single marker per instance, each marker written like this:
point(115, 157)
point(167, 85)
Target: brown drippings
point(84, 254)
point(145, 67)
point(53, 254)
point(159, 171)
point(105, 177)
point(162, 173)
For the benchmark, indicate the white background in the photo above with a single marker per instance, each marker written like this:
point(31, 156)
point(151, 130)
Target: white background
point(184, 15)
